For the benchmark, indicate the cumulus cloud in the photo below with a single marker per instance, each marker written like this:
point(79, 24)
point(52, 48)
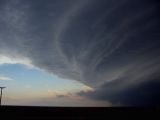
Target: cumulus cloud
point(94, 42)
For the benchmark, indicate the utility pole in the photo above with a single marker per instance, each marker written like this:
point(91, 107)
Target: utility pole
point(1, 94)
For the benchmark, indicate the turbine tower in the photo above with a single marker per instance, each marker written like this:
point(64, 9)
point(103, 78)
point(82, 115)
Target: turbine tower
point(1, 94)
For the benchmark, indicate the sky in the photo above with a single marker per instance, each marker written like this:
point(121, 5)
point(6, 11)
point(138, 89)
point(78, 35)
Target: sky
point(80, 52)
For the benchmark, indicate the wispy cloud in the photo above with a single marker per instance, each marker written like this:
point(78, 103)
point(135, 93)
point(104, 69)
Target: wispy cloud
point(5, 78)
point(10, 60)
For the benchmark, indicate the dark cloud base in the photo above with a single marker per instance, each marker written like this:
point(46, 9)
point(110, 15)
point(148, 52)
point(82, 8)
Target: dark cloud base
point(146, 94)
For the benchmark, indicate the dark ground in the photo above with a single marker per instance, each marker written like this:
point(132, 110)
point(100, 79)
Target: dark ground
point(75, 113)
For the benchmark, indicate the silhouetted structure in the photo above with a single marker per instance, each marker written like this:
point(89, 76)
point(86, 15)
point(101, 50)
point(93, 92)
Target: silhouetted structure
point(1, 94)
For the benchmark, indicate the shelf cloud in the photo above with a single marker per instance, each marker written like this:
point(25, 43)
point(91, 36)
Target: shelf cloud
point(111, 46)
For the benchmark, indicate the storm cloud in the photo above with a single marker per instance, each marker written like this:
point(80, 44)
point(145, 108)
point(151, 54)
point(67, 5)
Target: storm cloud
point(110, 45)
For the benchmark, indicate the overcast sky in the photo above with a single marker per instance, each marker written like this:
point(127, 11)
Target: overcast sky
point(80, 52)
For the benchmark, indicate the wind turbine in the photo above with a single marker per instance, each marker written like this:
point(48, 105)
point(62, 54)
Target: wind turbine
point(1, 94)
